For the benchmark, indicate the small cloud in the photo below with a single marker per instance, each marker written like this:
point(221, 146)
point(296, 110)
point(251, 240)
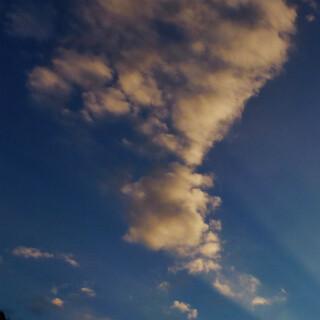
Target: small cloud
point(310, 17)
point(260, 301)
point(164, 286)
point(70, 259)
point(244, 289)
point(185, 309)
point(57, 302)
point(88, 291)
point(216, 202)
point(31, 253)
point(224, 288)
point(35, 253)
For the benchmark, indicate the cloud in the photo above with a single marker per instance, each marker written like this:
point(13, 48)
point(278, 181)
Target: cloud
point(57, 302)
point(310, 17)
point(31, 253)
point(164, 286)
point(179, 73)
point(35, 253)
point(244, 289)
point(69, 259)
point(88, 291)
point(105, 101)
point(70, 70)
point(260, 301)
point(185, 309)
point(215, 56)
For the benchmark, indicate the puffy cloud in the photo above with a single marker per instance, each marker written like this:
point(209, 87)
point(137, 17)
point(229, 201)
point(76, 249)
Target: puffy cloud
point(181, 73)
point(237, 285)
point(224, 288)
point(57, 302)
point(168, 209)
point(186, 309)
point(84, 70)
point(35, 253)
point(260, 301)
point(88, 291)
point(98, 103)
point(70, 69)
point(45, 82)
point(192, 64)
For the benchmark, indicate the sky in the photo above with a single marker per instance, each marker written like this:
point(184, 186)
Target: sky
point(159, 159)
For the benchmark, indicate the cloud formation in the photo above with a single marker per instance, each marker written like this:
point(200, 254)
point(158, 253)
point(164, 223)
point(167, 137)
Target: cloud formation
point(35, 253)
point(185, 309)
point(180, 73)
point(57, 302)
point(244, 288)
point(88, 291)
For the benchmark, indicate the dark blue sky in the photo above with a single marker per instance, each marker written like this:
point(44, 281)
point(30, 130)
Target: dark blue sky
point(61, 177)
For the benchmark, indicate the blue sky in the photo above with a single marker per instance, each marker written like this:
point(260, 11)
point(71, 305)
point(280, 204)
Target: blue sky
point(159, 160)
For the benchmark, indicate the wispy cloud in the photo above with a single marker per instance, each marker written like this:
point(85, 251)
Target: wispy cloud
point(88, 291)
point(32, 253)
point(244, 288)
point(69, 259)
point(35, 253)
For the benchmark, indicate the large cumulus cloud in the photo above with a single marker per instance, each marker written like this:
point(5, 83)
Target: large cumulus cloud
point(180, 72)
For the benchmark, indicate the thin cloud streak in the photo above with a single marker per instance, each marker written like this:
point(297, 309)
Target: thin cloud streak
point(36, 254)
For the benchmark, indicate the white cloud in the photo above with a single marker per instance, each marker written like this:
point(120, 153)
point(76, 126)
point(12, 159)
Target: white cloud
point(84, 70)
point(100, 102)
point(168, 209)
point(57, 302)
point(35, 253)
point(69, 259)
point(164, 286)
point(244, 289)
point(260, 301)
point(88, 291)
point(224, 288)
point(211, 64)
point(185, 309)
point(238, 286)
point(182, 90)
